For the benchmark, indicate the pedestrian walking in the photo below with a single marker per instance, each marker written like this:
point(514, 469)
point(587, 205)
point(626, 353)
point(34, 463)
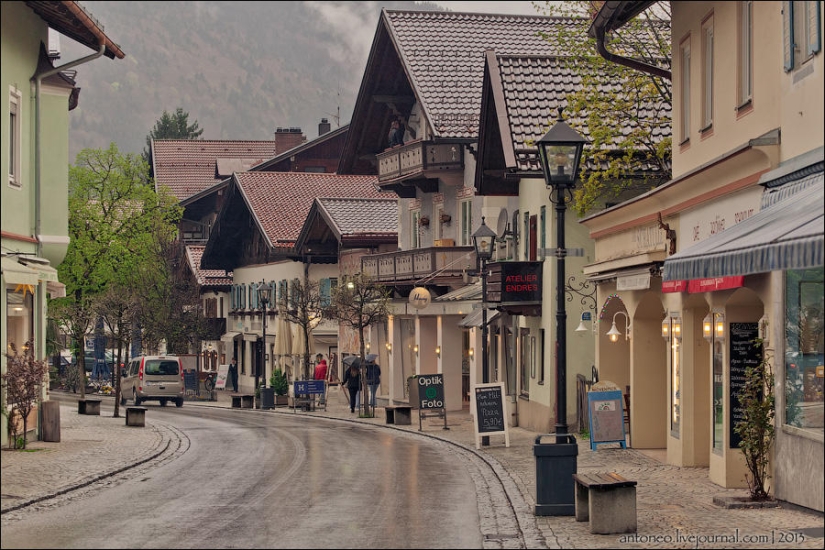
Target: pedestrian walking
point(373, 372)
point(233, 374)
point(352, 380)
point(321, 374)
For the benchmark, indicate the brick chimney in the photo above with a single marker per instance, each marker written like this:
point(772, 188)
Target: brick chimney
point(324, 127)
point(287, 138)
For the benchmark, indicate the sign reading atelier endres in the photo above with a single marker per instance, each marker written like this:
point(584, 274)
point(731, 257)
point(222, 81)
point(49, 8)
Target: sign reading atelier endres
point(744, 353)
point(490, 417)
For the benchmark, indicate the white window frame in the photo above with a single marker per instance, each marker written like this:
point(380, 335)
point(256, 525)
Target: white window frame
point(707, 73)
point(437, 234)
point(684, 57)
point(745, 84)
point(15, 137)
point(415, 217)
point(465, 208)
point(802, 34)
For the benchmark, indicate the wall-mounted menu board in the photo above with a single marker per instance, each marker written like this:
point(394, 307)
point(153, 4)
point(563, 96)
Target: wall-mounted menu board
point(744, 353)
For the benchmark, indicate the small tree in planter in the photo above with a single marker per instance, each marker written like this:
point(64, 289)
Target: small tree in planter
point(279, 383)
point(23, 382)
point(756, 428)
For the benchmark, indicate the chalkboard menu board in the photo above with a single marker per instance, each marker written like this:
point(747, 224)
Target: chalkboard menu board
point(190, 380)
point(744, 353)
point(489, 410)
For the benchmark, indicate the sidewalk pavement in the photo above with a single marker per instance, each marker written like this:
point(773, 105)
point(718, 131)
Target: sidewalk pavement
point(675, 506)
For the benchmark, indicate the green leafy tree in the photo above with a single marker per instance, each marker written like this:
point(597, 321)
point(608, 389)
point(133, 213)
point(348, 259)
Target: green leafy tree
point(171, 126)
point(359, 303)
point(627, 112)
point(115, 220)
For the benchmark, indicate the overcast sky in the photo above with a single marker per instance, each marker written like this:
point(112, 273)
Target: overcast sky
point(520, 8)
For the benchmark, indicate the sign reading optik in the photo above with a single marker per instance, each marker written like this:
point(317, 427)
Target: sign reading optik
point(430, 391)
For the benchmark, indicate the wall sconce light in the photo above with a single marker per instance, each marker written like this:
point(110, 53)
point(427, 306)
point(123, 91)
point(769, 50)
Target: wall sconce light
point(719, 326)
point(666, 328)
point(438, 351)
point(367, 347)
point(471, 352)
point(676, 327)
point(713, 326)
point(585, 316)
point(614, 333)
point(389, 347)
point(415, 349)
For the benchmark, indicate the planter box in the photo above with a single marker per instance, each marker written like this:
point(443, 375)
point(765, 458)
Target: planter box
point(281, 400)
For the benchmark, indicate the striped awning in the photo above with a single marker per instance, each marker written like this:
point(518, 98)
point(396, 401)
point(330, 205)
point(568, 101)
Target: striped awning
point(16, 273)
point(785, 235)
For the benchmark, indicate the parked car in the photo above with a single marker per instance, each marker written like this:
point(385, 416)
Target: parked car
point(153, 377)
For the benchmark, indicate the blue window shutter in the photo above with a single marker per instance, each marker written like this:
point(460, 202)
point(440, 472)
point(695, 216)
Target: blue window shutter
point(813, 24)
point(325, 292)
point(788, 38)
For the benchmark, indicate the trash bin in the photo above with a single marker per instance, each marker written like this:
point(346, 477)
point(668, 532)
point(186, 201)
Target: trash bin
point(555, 466)
point(267, 398)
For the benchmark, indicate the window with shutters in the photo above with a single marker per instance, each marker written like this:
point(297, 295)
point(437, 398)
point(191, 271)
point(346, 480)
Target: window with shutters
point(745, 60)
point(707, 74)
point(543, 229)
point(466, 236)
point(15, 137)
point(526, 240)
point(802, 35)
point(684, 103)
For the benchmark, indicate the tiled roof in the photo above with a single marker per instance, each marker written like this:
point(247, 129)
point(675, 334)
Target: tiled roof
point(205, 277)
point(534, 87)
point(443, 53)
point(189, 166)
point(362, 217)
point(280, 201)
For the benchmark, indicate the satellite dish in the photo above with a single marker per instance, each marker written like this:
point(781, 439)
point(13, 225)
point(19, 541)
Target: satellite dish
point(501, 226)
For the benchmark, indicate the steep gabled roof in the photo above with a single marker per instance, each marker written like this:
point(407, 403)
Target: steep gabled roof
point(206, 277)
point(437, 59)
point(347, 223)
point(71, 19)
point(521, 98)
point(189, 166)
point(276, 204)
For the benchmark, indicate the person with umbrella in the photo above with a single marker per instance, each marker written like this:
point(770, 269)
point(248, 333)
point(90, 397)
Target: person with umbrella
point(373, 376)
point(352, 379)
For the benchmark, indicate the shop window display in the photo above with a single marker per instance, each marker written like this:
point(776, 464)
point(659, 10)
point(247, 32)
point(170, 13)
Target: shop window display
point(804, 347)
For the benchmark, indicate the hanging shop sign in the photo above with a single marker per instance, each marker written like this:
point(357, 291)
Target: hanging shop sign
point(420, 298)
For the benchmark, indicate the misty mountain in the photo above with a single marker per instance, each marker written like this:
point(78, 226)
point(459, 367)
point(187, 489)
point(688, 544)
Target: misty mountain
point(240, 69)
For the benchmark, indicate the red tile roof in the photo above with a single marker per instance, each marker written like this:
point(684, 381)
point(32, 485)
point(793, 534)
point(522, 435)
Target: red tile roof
point(206, 277)
point(189, 166)
point(280, 201)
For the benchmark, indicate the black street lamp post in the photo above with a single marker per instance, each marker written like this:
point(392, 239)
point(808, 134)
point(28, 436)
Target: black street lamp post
point(560, 151)
point(263, 298)
point(484, 239)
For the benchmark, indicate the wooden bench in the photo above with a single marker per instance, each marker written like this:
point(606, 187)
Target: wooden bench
point(136, 416)
point(89, 407)
point(399, 414)
point(243, 401)
point(607, 501)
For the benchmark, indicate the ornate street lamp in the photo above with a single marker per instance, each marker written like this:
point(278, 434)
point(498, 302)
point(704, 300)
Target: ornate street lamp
point(560, 151)
point(264, 291)
point(484, 239)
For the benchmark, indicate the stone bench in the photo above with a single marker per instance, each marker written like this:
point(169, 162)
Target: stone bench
point(243, 401)
point(399, 414)
point(607, 501)
point(136, 416)
point(89, 406)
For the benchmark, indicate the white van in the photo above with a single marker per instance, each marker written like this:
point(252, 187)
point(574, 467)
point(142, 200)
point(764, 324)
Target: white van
point(153, 377)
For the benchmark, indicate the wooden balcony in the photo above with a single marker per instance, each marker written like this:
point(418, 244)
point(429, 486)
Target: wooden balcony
point(418, 163)
point(440, 265)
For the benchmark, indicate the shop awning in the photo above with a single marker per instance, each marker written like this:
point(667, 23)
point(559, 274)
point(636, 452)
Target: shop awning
point(229, 336)
point(786, 235)
point(468, 292)
point(473, 319)
point(16, 273)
